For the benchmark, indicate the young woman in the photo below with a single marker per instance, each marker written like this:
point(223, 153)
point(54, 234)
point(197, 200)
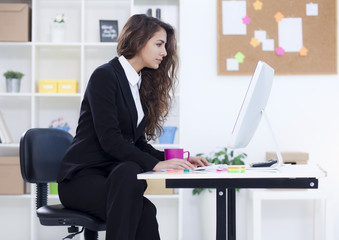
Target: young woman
point(126, 99)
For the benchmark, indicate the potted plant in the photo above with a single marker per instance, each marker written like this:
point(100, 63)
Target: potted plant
point(58, 28)
point(208, 198)
point(13, 81)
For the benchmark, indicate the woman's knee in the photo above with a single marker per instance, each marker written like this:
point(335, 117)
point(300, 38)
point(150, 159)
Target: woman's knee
point(126, 170)
point(125, 175)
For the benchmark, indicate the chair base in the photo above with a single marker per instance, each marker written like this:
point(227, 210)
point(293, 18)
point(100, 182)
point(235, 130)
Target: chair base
point(88, 234)
point(58, 215)
point(91, 235)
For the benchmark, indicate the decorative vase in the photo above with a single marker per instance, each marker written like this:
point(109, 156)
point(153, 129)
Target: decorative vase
point(58, 32)
point(13, 84)
point(168, 135)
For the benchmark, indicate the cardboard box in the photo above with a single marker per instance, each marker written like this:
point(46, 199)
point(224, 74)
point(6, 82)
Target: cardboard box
point(11, 181)
point(290, 157)
point(67, 86)
point(15, 22)
point(157, 187)
point(48, 86)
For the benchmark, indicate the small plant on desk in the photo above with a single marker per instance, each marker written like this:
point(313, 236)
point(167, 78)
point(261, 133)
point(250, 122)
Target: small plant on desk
point(224, 156)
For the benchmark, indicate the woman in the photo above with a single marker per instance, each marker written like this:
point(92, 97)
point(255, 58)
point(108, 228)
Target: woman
point(125, 99)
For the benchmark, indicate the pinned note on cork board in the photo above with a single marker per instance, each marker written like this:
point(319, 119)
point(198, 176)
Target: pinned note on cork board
point(294, 37)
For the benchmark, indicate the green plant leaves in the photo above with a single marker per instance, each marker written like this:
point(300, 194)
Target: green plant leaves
point(224, 156)
point(13, 74)
point(197, 191)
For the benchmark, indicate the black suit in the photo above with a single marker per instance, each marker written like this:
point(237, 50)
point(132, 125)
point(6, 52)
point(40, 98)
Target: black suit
point(98, 172)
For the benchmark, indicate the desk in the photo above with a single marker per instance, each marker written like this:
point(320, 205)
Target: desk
point(287, 176)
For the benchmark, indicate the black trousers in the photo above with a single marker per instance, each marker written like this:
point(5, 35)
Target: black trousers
point(115, 197)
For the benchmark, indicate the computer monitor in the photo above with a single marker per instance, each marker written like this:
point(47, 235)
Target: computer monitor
point(253, 108)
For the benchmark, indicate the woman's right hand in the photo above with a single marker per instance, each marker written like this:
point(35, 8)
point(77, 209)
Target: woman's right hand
point(173, 163)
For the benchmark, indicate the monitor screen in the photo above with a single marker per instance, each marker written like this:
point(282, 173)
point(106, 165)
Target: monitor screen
point(253, 104)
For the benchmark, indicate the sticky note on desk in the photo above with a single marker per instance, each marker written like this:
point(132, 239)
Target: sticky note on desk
point(174, 170)
point(236, 169)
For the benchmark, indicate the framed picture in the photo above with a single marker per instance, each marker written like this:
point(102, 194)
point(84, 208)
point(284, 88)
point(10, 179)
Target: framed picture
point(108, 30)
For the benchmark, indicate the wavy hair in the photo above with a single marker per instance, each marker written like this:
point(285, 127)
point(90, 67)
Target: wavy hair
point(158, 85)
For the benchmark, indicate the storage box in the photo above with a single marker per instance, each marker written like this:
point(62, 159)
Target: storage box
point(15, 22)
point(157, 187)
point(67, 86)
point(290, 157)
point(48, 86)
point(11, 181)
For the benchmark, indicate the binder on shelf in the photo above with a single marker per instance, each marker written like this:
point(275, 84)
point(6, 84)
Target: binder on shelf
point(48, 86)
point(58, 86)
point(4, 133)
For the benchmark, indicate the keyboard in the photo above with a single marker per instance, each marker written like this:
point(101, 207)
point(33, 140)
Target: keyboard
point(264, 164)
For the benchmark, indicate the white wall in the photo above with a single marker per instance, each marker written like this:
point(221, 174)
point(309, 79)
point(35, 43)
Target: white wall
point(303, 110)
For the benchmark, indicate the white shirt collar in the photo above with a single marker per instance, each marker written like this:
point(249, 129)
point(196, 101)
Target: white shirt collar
point(132, 76)
point(134, 80)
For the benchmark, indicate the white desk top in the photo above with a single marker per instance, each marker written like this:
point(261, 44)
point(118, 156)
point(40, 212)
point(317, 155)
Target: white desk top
point(285, 171)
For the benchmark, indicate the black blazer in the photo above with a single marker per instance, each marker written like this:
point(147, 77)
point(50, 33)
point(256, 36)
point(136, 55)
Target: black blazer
point(107, 132)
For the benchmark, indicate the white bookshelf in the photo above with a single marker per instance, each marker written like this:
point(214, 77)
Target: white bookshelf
point(314, 200)
point(75, 58)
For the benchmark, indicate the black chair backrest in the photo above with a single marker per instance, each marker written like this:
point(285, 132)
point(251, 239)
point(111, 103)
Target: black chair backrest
point(41, 151)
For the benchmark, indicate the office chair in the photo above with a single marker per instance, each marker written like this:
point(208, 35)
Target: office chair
point(41, 151)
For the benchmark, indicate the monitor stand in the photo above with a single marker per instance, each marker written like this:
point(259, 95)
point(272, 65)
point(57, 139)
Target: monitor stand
point(277, 150)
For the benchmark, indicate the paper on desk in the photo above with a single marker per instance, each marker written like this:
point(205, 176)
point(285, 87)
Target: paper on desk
point(211, 168)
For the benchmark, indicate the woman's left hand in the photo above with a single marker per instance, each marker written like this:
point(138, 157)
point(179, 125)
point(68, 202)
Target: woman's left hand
point(199, 161)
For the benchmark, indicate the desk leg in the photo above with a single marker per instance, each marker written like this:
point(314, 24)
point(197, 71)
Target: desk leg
point(231, 211)
point(221, 213)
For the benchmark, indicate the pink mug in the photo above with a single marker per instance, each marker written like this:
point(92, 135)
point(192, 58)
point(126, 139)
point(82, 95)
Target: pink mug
point(176, 153)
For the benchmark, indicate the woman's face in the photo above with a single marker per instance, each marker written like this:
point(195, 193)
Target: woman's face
point(154, 51)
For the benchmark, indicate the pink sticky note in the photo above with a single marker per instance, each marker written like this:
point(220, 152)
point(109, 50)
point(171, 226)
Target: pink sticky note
point(246, 20)
point(280, 51)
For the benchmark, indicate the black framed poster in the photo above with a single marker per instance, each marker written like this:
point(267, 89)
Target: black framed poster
point(108, 30)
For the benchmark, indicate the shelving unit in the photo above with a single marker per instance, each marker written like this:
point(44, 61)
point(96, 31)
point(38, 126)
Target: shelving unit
point(75, 58)
point(258, 197)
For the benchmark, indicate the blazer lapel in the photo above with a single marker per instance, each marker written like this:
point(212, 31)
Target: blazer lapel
point(126, 90)
point(141, 128)
point(142, 125)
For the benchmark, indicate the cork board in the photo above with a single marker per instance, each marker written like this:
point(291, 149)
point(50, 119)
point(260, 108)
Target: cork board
point(299, 36)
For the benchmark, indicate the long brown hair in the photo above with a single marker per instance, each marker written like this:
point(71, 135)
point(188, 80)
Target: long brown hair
point(157, 84)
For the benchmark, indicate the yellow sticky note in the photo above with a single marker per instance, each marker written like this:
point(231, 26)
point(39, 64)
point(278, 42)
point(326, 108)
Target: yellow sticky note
point(257, 5)
point(278, 16)
point(254, 42)
point(236, 169)
point(303, 51)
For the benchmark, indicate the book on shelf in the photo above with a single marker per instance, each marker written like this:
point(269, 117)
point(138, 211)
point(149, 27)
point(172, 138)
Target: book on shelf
point(4, 133)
